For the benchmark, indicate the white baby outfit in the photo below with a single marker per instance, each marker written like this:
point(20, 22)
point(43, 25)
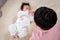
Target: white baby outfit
point(20, 26)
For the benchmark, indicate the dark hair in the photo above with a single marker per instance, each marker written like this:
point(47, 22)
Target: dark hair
point(23, 4)
point(45, 18)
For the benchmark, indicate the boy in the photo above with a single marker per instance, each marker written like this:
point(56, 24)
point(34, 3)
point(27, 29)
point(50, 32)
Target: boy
point(46, 19)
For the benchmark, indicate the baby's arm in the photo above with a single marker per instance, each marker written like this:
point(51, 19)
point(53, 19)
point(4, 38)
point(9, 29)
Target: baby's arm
point(21, 18)
point(21, 14)
point(32, 16)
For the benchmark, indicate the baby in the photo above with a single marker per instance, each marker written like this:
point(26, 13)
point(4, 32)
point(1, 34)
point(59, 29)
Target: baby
point(22, 23)
point(21, 26)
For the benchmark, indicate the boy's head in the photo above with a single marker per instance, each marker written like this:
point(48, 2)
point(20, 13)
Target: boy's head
point(45, 18)
point(25, 6)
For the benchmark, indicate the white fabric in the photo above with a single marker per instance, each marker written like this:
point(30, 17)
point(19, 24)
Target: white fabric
point(22, 13)
point(20, 26)
point(31, 18)
point(12, 29)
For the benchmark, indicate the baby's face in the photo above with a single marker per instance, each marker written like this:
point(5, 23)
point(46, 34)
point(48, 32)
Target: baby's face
point(26, 7)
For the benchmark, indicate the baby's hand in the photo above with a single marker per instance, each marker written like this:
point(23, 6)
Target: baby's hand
point(21, 18)
point(32, 12)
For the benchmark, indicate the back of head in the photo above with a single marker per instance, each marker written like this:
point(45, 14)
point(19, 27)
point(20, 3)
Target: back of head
point(45, 18)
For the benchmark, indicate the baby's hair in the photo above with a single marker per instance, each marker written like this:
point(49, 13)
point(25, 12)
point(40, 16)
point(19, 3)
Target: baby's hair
point(23, 4)
point(45, 18)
